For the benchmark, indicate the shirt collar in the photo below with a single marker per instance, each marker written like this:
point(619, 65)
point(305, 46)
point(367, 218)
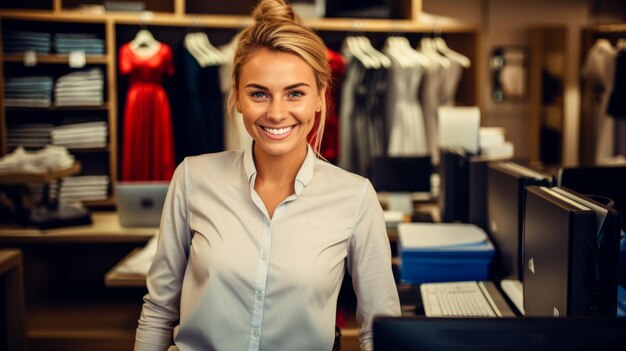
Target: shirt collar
point(302, 178)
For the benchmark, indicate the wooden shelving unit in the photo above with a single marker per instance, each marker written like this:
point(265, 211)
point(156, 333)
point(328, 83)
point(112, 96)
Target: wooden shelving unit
point(22, 178)
point(57, 59)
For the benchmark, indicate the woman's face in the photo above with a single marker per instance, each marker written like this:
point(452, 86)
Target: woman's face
point(278, 98)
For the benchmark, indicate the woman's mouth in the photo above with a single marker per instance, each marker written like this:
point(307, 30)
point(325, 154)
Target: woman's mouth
point(278, 133)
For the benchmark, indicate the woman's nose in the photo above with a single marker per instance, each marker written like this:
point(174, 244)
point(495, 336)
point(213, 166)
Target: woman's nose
point(277, 109)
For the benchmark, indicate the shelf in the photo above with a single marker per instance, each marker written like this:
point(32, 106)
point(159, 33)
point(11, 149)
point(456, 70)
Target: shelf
point(237, 22)
point(105, 106)
point(619, 27)
point(23, 178)
point(87, 150)
point(105, 228)
point(100, 203)
point(56, 59)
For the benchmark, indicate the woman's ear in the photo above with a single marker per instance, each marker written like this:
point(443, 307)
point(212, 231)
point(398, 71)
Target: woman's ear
point(320, 99)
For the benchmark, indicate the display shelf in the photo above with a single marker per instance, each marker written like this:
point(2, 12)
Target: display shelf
point(105, 228)
point(234, 21)
point(53, 22)
point(108, 202)
point(105, 106)
point(56, 59)
point(23, 178)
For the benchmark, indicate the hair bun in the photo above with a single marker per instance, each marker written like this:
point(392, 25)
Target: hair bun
point(274, 10)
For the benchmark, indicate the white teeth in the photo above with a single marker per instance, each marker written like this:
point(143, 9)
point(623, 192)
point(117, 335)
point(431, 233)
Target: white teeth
point(278, 131)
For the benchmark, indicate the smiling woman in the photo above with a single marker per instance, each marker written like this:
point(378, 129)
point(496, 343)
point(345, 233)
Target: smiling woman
point(254, 244)
point(278, 99)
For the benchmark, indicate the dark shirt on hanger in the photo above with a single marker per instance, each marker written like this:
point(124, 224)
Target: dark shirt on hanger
point(198, 108)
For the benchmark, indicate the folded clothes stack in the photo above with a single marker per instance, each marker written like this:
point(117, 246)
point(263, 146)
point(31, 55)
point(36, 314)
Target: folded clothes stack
point(90, 44)
point(81, 135)
point(18, 42)
point(32, 91)
point(49, 159)
point(85, 188)
point(30, 135)
point(80, 88)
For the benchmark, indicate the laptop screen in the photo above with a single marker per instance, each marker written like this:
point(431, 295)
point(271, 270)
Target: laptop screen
point(140, 204)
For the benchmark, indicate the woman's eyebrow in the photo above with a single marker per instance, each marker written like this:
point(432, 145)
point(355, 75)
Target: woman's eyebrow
point(264, 88)
point(297, 85)
point(257, 86)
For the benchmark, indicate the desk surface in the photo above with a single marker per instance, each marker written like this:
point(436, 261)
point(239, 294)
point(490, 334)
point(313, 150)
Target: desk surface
point(115, 279)
point(105, 228)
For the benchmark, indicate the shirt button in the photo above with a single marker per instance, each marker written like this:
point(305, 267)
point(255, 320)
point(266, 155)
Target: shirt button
point(264, 257)
point(255, 332)
point(258, 295)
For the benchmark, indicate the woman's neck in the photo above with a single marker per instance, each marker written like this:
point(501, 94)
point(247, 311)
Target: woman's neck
point(278, 171)
point(276, 176)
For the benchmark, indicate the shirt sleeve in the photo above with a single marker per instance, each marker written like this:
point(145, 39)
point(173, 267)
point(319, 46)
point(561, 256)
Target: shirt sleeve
point(161, 308)
point(369, 263)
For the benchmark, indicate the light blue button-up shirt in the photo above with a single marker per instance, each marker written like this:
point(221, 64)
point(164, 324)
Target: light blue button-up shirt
point(226, 276)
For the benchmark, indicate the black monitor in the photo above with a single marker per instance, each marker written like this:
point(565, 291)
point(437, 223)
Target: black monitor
point(505, 208)
point(517, 334)
point(608, 181)
point(477, 192)
point(402, 174)
point(454, 184)
point(571, 248)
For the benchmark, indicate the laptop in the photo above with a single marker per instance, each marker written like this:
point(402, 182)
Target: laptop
point(140, 204)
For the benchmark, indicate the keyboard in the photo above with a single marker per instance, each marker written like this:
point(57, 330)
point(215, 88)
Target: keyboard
point(458, 299)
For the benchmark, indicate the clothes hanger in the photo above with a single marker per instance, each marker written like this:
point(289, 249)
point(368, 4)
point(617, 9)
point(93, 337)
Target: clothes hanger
point(392, 49)
point(367, 46)
point(217, 57)
point(350, 47)
point(192, 46)
point(427, 47)
point(442, 47)
point(417, 56)
point(144, 39)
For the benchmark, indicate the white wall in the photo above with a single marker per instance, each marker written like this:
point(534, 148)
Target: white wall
point(505, 22)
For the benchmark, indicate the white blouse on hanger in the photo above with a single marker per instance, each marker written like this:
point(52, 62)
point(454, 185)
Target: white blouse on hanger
point(407, 133)
point(598, 72)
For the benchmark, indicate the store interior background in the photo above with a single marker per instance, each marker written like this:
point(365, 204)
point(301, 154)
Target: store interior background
point(506, 23)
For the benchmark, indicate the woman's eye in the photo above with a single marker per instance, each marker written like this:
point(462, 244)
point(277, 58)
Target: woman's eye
point(296, 94)
point(258, 94)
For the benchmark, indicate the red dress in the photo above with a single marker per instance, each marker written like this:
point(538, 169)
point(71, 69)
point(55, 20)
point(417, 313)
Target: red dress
point(148, 143)
point(330, 142)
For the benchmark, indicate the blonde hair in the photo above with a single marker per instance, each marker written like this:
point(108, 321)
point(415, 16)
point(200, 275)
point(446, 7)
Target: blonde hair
point(277, 28)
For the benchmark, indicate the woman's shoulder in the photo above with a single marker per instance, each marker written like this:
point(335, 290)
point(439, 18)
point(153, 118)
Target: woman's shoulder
point(216, 161)
point(339, 176)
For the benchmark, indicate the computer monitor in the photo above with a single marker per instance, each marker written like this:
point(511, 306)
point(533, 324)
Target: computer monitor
point(454, 183)
point(140, 204)
point(477, 189)
point(605, 181)
point(511, 334)
point(402, 174)
point(459, 126)
point(505, 209)
point(571, 247)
